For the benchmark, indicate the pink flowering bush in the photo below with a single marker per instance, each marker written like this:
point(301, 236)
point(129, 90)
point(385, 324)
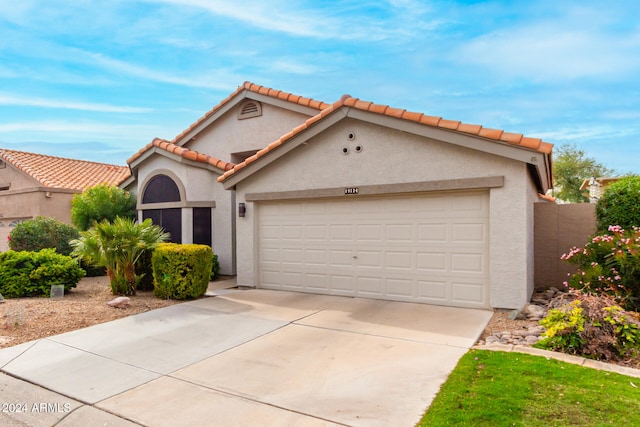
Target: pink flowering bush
point(609, 264)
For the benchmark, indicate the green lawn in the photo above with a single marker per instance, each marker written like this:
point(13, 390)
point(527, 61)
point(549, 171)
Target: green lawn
point(490, 388)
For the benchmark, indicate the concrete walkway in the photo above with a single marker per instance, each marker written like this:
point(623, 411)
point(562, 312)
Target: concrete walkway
point(253, 357)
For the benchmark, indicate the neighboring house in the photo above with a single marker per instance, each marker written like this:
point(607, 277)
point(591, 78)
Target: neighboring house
point(34, 185)
point(596, 186)
point(351, 198)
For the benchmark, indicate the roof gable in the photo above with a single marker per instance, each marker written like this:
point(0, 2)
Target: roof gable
point(164, 146)
point(253, 91)
point(64, 173)
point(477, 136)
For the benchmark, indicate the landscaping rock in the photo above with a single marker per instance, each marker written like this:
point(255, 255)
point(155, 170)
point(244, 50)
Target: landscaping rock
point(119, 302)
point(534, 311)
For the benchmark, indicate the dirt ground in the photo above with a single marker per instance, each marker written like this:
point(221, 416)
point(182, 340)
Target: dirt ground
point(26, 319)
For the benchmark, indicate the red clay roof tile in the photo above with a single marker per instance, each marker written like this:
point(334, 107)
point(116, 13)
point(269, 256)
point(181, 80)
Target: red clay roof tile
point(182, 152)
point(64, 173)
point(433, 121)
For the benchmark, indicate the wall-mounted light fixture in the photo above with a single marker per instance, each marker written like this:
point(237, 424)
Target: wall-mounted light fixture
point(242, 210)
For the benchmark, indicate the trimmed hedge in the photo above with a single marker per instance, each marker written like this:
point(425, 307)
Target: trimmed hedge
point(26, 274)
point(181, 271)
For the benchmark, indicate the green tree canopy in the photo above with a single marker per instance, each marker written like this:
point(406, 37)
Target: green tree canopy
point(101, 202)
point(620, 204)
point(571, 166)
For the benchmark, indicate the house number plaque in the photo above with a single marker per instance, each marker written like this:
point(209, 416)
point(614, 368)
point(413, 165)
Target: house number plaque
point(351, 190)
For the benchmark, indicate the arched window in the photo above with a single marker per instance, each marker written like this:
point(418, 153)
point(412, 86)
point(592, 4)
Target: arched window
point(161, 189)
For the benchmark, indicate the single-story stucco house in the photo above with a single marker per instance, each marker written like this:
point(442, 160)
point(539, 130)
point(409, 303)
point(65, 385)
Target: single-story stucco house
point(34, 185)
point(351, 198)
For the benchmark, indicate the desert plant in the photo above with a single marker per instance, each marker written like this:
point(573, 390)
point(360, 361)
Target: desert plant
point(619, 204)
point(609, 264)
point(117, 246)
point(25, 273)
point(592, 326)
point(99, 203)
point(181, 271)
point(41, 233)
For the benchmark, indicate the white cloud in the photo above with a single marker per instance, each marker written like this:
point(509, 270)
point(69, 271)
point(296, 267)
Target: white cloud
point(23, 101)
point(212, 79)
point(578, 44)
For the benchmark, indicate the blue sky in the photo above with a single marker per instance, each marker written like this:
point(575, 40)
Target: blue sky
point(98, 80)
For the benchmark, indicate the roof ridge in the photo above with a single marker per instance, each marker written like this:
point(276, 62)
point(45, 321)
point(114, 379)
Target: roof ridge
point(262, 90)
point(402, 114)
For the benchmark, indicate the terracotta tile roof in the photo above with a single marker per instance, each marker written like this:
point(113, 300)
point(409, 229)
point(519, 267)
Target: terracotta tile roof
point(182, 152)
point(262, 90)
point(433, 121)
point(63, 173)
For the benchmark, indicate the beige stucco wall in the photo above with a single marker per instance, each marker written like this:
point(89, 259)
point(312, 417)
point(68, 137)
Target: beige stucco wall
point(230, 135)
point(391, 156)
point(199, 185)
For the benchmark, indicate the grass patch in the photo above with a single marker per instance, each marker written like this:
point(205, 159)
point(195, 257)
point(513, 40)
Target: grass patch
point(490, 388)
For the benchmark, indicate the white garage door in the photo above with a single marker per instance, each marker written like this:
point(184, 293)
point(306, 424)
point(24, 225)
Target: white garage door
point(430, 248)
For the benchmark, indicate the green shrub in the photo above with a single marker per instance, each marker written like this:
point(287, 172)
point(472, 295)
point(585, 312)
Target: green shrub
point(28, 274)
point(99, 203)
point(619, 204)
point(592, 326)
point(181, 271)
point(40, 233)
point(144, 270)
point(609, 264)
point(215, 267)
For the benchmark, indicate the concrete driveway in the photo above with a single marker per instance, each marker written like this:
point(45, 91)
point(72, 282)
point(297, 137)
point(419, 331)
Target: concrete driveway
point(254, 357)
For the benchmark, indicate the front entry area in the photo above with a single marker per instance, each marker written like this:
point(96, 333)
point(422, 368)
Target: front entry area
point(429, 248)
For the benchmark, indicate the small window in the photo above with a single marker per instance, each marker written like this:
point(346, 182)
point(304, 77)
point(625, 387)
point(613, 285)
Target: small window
point(249, 109)
point(3, 164)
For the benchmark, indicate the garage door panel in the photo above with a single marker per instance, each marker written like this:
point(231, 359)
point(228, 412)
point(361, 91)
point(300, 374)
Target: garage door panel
point(423, 248)
point(469, 232)
point(316, 257)
point(432, 290)
point(431, 261)
point(436, 232)
point(370, 286)
point(342, 284)
point(401, 289)
point(467, 262)
point(341, 232)
point(403, 233)
point(402, 260)
point(465, 293)
point(369, 259)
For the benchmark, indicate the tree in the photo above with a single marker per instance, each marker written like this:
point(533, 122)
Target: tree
point(118, 245)
point(99, 203)
point(571, 167)
point(620, 205)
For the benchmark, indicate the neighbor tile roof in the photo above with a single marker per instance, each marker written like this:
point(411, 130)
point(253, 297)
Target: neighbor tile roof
point(182, 152)
point(433, 121)
point(262, 90)
point(63, 173)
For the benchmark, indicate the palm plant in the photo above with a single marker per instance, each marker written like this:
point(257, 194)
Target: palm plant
point(117, 246)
